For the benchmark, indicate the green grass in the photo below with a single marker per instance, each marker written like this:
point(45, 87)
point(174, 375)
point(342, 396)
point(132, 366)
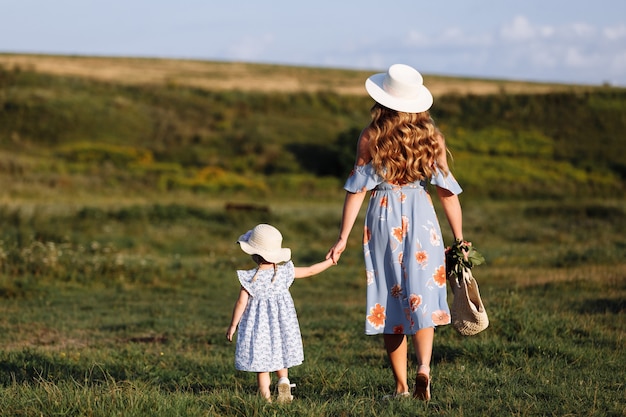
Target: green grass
point(122, 310)
point(74, 132)
point(118, 254)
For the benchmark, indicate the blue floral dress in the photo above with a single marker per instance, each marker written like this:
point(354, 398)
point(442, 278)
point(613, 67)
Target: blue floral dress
point(404, 253)
point(268, 336)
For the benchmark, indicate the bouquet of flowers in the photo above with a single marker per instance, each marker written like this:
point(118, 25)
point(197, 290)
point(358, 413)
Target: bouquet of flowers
point(462, 255)
point(469, 316)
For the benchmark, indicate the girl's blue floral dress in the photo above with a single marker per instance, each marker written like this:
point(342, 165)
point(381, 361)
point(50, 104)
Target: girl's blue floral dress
point(404, 253)
point(268, 336)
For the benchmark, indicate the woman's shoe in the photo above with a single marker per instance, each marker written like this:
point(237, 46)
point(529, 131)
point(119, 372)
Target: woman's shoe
point(422, 387)
point(284, 391)
point(397, 396)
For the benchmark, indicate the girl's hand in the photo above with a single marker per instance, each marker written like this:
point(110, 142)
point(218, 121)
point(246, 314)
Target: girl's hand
point(335, 252)
point(230, 332)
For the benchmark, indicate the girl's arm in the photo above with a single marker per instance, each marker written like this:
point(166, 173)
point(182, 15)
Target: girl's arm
point(240, 306)
point(307, 271)
point(452, 209)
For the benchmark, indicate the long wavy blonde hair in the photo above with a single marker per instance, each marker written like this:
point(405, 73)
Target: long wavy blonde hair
point(404, 146)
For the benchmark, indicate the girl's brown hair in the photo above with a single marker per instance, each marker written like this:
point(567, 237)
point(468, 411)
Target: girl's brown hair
point(404, 146)
point(260, 260)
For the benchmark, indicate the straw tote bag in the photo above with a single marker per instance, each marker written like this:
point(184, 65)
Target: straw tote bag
point(469, 316)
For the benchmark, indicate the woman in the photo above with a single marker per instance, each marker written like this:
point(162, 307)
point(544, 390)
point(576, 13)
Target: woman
point(397, 153)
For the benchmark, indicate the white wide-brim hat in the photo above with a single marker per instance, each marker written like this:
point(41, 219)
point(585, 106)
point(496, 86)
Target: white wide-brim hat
point(401, 88)
point(265, 240)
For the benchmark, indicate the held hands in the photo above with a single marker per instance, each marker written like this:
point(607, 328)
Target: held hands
point(335, 252)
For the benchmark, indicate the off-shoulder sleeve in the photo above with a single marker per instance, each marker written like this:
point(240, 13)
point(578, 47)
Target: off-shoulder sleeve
point(446, 181)
point(362, 178)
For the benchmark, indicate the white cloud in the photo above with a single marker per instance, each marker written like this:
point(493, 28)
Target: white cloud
point(616, 33)
point(582, 30)
point(449, 37)
point(416, 38)
point(575, 58)
point(519, 29)
point(519, 49)
point(250, 48)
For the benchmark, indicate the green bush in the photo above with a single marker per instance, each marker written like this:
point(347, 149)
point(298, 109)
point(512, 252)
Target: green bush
point(101, 135)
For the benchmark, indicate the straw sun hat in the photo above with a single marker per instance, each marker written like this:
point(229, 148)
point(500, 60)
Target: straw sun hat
point(265, 240)
point(401, 88)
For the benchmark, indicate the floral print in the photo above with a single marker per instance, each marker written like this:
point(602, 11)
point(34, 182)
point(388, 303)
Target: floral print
point(440, 317)
point(377, 316)
point(415, 301)
point(396, 291)
point(400, 232)
point(404, 293)
point(422, 258)
point(367, 234)
point(268, 336)
point(398, 329)
point(440, 276)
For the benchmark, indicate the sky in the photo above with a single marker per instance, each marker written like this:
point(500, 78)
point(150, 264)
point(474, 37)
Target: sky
point(566, 41)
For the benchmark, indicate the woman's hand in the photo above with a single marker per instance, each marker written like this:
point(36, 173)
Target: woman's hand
point(335, 252)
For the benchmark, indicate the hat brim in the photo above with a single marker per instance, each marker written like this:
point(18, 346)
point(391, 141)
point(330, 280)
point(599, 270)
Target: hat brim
point(422, 102)
point(277, 256)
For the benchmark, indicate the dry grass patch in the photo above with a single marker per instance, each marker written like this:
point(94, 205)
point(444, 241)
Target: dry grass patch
point(212, 75)
point(610, 275)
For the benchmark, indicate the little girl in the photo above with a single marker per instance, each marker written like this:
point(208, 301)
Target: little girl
point(268, 339)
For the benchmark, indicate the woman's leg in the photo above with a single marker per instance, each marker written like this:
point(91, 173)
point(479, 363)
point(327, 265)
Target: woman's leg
point(264, 380)
point(396, 346)
point(423, 344)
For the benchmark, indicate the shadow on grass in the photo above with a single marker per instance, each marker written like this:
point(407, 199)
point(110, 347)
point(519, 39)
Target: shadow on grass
point(603, 306)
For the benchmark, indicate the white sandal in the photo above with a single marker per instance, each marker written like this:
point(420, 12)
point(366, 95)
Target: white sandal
point(284, 390)
point(397, 396)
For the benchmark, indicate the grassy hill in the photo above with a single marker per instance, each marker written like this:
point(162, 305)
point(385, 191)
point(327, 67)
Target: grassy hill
point(219, 76)
point(117, 124)
point(118, 254)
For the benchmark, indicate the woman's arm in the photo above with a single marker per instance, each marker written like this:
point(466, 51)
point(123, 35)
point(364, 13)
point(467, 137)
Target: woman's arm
point(449, 201)
point(351, 208)
point(307, 271)
point(240, 307)
point(352, 203)
point(452, 208)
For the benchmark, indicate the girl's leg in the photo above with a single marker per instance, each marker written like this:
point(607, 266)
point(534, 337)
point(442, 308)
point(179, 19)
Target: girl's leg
point(396, 347)
point(264, 380)
point(284, 386)
point(282, 373)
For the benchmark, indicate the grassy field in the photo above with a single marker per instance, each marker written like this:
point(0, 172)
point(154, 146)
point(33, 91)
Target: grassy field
point(64, 126)
point(121, 310)
point(118, 254)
